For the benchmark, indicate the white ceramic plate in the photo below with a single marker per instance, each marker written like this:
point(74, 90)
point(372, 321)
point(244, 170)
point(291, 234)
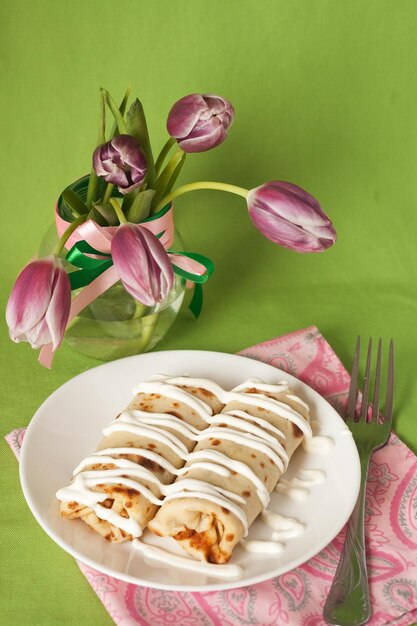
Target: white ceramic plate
point(67, 428)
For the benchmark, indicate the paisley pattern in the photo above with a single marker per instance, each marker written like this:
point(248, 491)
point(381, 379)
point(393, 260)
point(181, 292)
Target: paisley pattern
point(295, 587)
point(15, 439)
point(297, 597)
point(401, 594)
point(238, 605)
point(403, 514)
point(162, 608)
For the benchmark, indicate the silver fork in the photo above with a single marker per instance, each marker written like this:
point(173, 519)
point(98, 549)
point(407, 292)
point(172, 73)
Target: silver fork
point(348, 601)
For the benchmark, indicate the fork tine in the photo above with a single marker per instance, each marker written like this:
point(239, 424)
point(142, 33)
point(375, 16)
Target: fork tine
point(389, 398)
point(375, 401)
point(351, 403)
point(367, 381)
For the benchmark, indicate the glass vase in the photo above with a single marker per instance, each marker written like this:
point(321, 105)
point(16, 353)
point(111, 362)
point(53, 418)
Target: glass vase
point(115, 325)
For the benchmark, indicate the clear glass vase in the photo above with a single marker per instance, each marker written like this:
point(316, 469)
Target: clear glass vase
point(115, 325)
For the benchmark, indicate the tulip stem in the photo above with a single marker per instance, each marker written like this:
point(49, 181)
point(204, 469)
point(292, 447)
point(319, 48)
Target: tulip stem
point(118, 210)
point(165, 149)
point(240, 191)
point(67, 234)
point(107, 193)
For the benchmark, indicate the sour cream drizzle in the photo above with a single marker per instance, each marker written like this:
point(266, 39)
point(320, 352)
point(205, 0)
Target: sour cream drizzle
point(283, 527)
point(297, 487)
point(256, 433)
point(268, 548)
point(168, 388)
point(227, 571)
point(237, 394)
point(317, 443)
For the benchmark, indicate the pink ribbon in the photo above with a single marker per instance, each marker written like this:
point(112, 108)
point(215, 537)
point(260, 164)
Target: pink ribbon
point(99, 237)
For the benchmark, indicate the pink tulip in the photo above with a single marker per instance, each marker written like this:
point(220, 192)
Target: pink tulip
point(142, 263)
point(291, 217)
point(39, 305)
point(200, 122)
point(121, 162)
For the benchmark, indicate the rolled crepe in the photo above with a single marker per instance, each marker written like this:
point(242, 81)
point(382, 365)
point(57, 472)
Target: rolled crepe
point(253, 439)
point(118, 489)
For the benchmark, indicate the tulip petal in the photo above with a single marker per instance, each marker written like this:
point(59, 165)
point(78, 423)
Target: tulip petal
point(200, 122)
point(185, 114)
point(222, 107)
point(291, 217)
point(292, 203)
point(59, 308)
point(284, 233)
point(121, 162)
point(203, 139)
point(129, 153)
point(161, 265)
point(115, 174)
point(29, 299)
point(131, 262)
point(37, 336)
point(142, 263)
point(38, 307)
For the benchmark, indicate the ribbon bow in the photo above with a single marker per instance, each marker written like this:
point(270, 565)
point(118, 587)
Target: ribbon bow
point(91, 254)
point(193, 267)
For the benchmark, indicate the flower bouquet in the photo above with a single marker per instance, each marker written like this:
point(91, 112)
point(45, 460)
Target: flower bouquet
point(114, 270)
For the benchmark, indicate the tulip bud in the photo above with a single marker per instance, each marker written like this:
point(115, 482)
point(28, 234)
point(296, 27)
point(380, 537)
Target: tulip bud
point(291, 217)
point(121, 162)
point(142, 264)
point(39, 305)
point(200, 122)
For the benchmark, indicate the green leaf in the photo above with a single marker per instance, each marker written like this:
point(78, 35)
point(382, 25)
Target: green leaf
point(136, 126)
point(175, 173)
point(168, 177)
point(102, 126)
point(140, 206)
point(94, 180)
point(74, 202)
point(93, 185)
point(118, 117)
point(108, 213)
point(122, 109)
point(97, 217)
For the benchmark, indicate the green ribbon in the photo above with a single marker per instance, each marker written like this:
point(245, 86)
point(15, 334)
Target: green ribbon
point(91, 268)
point(196, 303)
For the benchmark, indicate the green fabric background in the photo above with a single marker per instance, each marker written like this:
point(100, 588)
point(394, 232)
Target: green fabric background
point(325, 96)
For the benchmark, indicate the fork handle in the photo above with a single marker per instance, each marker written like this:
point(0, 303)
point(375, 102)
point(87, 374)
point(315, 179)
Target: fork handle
point(348, 601)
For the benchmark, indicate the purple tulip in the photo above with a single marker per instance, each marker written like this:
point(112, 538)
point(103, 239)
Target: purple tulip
point(121, 162)
point(200, 122)
point(142, 263)
point(39, 305)
point(291, 217)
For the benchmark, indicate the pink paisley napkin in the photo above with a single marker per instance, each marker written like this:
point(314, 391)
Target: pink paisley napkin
point(297, 597)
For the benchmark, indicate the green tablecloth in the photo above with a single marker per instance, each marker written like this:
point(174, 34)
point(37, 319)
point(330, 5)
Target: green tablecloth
point(325, 94)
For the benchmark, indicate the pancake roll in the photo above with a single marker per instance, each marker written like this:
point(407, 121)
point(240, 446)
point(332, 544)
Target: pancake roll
point(252, 440)
point(118, 489)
